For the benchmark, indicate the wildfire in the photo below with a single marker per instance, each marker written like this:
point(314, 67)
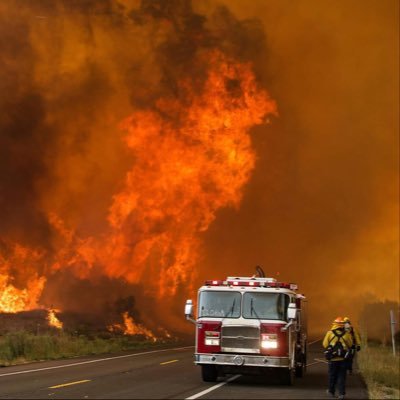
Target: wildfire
point(129, 327)
point(166, 333)
point(12, 298)
point(192, 155)
point(188, 164)
point(53, 320)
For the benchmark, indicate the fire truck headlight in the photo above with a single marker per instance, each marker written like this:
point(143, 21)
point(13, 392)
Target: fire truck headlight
point(269, 341)
point(211, 338)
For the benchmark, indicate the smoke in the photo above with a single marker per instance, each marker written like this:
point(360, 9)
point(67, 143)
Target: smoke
point(24, 138)
point(322, 206)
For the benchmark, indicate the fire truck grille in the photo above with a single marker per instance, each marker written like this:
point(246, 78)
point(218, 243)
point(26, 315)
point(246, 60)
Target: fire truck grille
point(240, 339)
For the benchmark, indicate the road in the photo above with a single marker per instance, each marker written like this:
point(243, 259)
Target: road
point(157, 374)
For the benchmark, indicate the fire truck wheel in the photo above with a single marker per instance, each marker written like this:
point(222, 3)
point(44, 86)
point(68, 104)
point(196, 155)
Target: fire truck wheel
point(301, 366)
point(209, 373)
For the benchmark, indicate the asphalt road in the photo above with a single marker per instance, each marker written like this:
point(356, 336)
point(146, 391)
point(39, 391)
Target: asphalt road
point(159, 374)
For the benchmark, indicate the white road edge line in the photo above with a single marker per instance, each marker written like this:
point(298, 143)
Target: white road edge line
point(197, 395)
point(315, 341)
point(94, 361)
point(313, 363)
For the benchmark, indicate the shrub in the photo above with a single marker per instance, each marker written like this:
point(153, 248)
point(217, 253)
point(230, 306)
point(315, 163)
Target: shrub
point(20, 347)
point(380, 370)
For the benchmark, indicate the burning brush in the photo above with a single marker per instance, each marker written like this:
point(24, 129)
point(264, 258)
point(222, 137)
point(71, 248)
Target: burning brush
point(53, 320)
point(129, 327)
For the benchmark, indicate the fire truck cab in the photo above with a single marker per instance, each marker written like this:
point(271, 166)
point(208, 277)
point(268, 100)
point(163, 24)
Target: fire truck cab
point(249, 325)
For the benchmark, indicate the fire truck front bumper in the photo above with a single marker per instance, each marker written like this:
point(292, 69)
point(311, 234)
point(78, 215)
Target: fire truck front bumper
point(240, 360)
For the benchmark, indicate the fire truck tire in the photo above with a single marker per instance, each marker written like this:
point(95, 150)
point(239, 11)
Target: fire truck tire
point(209, 373)
point(301, 368)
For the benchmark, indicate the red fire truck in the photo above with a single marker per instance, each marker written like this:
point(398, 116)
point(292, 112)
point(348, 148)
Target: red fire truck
point(249, 325)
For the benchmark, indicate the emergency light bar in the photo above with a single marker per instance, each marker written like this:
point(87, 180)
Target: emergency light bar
point(255, 282)
point(247, 279)
point(244, 283)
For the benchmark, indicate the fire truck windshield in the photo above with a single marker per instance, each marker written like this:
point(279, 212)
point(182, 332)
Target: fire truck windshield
point(219, 304)
point(265, 305)
point(222, 304)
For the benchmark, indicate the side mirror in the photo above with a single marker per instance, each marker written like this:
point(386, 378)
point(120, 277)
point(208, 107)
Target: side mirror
point(189, 308)
point(291, 311)
point(189, 311)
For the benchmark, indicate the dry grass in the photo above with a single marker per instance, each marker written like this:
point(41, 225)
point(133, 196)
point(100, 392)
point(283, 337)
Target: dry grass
point(21, 347)
point(380, 370)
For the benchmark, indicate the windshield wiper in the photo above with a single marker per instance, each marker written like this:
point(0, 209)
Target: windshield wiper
point(252, 309)
point(231, 309)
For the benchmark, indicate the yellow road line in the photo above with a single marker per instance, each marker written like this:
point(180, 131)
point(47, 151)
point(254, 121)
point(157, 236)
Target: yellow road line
point(69, 384)
point(169, 362)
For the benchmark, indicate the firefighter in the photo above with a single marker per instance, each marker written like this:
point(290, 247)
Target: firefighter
point(356, 342)
point(337, 344)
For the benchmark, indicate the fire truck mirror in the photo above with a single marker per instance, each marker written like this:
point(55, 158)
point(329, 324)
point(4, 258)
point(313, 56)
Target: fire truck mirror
point(291, 311)
point(189, 308)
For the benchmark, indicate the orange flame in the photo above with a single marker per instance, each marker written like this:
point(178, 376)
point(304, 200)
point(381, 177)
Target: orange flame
point(193, 155)
point(187, 166)
point(53, 320)
point(12, 298)
point(130, 327)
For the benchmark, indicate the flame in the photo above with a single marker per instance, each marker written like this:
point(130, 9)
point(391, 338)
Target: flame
point(12, 298)
point(53, 320)
point(130, 327)
point(192, 156)
point(166, 333)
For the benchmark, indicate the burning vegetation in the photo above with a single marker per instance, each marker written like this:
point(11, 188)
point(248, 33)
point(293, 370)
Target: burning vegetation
point(129, 327)
point(53, 320)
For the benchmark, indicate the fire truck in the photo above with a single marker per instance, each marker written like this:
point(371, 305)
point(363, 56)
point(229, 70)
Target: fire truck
point(250, 325)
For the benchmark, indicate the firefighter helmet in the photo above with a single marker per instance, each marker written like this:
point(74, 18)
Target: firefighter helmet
point(339, 321)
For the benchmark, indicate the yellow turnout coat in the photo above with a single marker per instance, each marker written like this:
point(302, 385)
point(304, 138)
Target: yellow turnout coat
point(331, 338)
